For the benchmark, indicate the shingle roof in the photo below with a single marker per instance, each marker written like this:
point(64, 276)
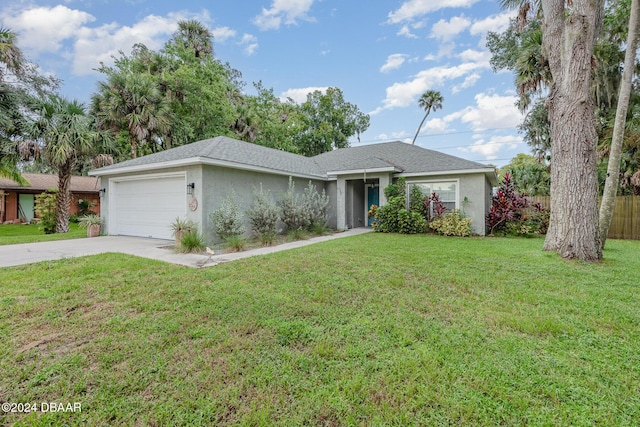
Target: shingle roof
point(229, 150)
point(402, 156)
point(409, 158)
point(43, 182)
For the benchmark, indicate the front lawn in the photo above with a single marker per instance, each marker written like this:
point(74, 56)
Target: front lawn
point(11, 234)
point(375, 329)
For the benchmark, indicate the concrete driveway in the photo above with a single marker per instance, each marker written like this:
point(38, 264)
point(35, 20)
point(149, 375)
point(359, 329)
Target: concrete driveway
point(27, 253)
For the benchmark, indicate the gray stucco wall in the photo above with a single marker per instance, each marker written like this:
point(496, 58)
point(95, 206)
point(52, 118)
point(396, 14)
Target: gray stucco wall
point(357, 218)
point(474, 196)
point(218, 182)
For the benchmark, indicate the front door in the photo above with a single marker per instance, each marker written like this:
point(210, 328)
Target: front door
point(373, 198)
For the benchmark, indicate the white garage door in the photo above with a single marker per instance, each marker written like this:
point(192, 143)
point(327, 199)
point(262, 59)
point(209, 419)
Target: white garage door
point(146, 207)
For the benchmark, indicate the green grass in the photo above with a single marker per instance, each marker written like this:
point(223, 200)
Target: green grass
point(11, 234)
point(369, 330)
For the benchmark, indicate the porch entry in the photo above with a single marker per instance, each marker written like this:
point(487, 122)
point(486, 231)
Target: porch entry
point(373, 198)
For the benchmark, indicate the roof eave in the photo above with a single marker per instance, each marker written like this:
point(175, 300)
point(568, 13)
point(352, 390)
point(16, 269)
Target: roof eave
point(489, 172)
point(364, 171)
point(191, 161)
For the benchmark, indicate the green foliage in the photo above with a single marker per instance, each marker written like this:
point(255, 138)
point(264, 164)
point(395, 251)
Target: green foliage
point(328, 122)
point(180, 225)
point(394, 217)
point(263, 216)
point(452, 224)
point(45, 209)
point(502, 332)
point(396, 189)
point(293, 211)
point(418, 202)
point(90, 219)
point(191, 241)
point(84, 207)
point(529, 176)
point(227, 219)
point(315, 204)
point(235, 242)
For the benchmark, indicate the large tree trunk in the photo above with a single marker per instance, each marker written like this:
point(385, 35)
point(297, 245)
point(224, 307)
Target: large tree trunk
point(64, 198)
point(568, 40)
point(615, 153)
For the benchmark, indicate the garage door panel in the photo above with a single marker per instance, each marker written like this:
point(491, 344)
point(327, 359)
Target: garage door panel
point(146, 207)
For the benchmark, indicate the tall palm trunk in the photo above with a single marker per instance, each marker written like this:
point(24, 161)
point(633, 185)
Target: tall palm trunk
point(568, 41)
point(615, 153)
point(134, 147)
point(63, 200)
point(420, 127)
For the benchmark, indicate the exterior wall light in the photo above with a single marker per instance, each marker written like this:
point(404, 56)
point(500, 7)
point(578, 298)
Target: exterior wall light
point(190, 188)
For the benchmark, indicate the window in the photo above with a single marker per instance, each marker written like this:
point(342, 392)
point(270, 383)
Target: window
point(446, 191)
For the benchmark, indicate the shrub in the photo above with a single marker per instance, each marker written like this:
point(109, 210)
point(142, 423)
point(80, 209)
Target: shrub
point(395, 218)
point(227, 219)
point(315, 204)
point(84, 207)
point(297, 234)
point(532, 224)
point(506, 206)
point(396, 189)
point(452, 224)
point(293, 212)
point(319, 228)
point(418, 202)
point(434, 207)
point(235, 242)
point(45, 208)
point(191, 241)
point(263, 216)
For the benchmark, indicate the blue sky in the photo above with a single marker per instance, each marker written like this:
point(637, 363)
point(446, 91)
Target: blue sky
point(382, 54)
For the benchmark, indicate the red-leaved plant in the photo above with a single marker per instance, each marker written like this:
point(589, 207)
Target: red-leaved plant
point(506, 206)
point(434, 207)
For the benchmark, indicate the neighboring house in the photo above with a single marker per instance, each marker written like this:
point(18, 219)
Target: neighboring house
point(144, 195)
point(18, 202)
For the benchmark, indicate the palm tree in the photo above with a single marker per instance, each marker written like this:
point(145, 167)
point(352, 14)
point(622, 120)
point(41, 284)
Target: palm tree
point(68, 135)
point(10, 54)
point(11, 57)
point(626, 86)
point(192, 34)
point(132, 102)
point(431, 100)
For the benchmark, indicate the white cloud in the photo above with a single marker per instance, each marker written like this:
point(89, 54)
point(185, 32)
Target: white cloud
point(95, 45)
point(64, 31)
point(395, 136)
point(404, 94)
point(490, 149)
point(447, 30)
point(406, 32)
point(394, 62)
point(283, 11)
point(412, 9)
point(437, 125)
point(468, 82)
point(478, 56)
point(496, 23)
point(250, 44)
point(43, 29)
point(299, 95)
point(492, 111)
point(222, 34)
